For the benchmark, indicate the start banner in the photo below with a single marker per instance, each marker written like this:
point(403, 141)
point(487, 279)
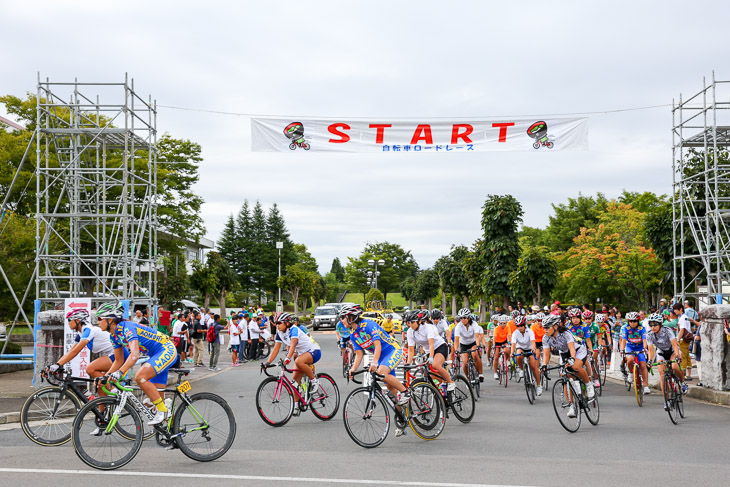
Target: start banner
point(296, 134)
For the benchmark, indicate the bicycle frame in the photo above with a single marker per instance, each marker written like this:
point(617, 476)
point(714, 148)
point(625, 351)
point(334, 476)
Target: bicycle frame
point(282, 378)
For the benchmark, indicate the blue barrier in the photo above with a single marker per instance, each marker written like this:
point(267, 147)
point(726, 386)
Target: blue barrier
point(16, 355)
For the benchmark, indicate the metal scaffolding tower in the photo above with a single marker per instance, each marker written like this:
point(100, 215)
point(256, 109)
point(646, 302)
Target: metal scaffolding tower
point(701, 202)
point(96, 193)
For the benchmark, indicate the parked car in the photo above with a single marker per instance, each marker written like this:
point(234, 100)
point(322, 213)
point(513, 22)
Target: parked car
point(324, 316)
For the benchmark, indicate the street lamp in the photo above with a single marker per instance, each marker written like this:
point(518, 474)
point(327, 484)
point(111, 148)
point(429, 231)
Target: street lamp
point(279, 304)
point(373, 275)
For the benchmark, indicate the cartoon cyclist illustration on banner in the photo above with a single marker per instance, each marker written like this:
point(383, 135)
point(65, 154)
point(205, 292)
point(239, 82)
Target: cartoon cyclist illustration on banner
point(538, 131)
point(295, 132)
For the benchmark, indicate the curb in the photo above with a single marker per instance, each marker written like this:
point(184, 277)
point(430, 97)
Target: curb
point(6, 418)
point(712, 396)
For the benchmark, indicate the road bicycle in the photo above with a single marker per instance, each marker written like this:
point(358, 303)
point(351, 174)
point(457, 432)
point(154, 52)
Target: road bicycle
point(472, 374)
point(262, 350)
point(502, 364)
point(47, 415)
point(672, 391)
point(366, 411)
point(603, 353)
point(530, 383)
point(594, 372)
point(277, 395)
point(638, 381)
point(460, 401)
point(348, 358)
point(107, 432)
point(569, 391)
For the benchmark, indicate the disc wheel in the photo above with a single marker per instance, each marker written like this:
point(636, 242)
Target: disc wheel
point(461, 399)
point(326, 400)
point(562, 403)
point(426, 411)
point(274, 402)
point(106, 450)
point(207, 427)
point(367, 419)
point(41, 424)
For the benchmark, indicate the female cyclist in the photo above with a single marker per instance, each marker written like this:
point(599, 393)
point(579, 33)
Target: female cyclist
point(425, 335)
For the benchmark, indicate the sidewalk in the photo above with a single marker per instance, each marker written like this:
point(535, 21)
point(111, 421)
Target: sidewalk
point(15, 387)
point(696, 392)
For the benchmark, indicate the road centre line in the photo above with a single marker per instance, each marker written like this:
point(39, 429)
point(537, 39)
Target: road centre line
point(125, 473)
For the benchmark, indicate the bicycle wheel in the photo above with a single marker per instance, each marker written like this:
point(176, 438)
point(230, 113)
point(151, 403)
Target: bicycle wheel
point(563, 403)
point(602, 368)
point(462, 399)
point(505, 366)
point(500, 368)
point(265, 350)
point(597, 370)
point(425, 411)
point(274, 401)
point(326, 401)
point(366, 417)
point(679, 397)
point(592, 410)
point(474, 380)
point(106, 450)
point(638, 386)
point(544, 381)
point(670, 400)
point(529, 385)
point(41, 424)
point(207, 427)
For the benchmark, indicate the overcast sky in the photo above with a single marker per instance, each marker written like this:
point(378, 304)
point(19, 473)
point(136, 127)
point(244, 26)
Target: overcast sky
point(388, 59)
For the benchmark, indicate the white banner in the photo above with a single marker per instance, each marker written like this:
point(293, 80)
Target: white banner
point(537, 135)
point(78, 363)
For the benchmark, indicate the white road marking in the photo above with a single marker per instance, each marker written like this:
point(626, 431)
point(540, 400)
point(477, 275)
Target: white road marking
point(125, 473)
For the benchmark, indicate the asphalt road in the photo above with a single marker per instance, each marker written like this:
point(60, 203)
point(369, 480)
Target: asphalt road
point(509, 442)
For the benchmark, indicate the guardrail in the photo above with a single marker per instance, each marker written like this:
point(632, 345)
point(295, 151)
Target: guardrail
point(16, 359)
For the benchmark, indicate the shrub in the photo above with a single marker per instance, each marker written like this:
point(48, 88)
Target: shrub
point(13, 348)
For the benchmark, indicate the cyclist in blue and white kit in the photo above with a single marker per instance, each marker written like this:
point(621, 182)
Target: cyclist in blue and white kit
point(343, 334)
point(139, 338)
point(633, 340)
point(297, 342)
point(387, 353)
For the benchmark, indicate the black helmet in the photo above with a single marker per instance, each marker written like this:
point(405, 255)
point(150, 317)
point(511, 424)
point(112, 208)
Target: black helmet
point(436, 314)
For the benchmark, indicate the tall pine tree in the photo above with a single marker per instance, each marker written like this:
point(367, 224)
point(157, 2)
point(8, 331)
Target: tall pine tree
point(337, 270)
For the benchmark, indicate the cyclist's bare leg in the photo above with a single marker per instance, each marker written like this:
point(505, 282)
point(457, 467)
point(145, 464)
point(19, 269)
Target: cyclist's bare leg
point(660, 368)
point(146, 372)
point(497, 351)
point(478, 362)
point(535, 369)
point(580, 370)
point(96, 369)
point(630, 363)
point(644, 373)
point(393, 384)
point(438, 364)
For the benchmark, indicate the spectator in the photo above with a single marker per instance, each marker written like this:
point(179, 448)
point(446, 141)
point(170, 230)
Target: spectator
point(215, 345)
point(197, 337)
point(663, 305)
point(235, 333)
point(179, 336)
point(670, 321)
point(254, 335)
point(521, 308)
point(163, 321)
point(684, 338)
point(618, 323)
point(144, 320)
point(137, 316)
point(243, 337)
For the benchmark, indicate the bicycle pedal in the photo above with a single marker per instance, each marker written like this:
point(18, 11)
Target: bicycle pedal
point(172, 446)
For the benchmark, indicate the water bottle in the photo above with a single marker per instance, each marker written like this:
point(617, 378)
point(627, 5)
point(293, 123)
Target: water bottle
point(443, 389)
point(168, 404)
point(574, 385)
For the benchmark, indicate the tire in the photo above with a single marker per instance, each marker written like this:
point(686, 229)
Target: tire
point(361, 416)
point(40, 424)
point(426, 411)
point(90, 416)
point(597, 369)
point(305, 146)
point(500, 369)
point(602, 369)
point(326, 408)
point(265, 350)
point(529, 385)
point(592, 410)
point(544, 381)
point(549, 145)
point(275, 411)
point(561, 404)
point(462, 400)
point(474, 381)
point(209, 439)
point(638, 386)
point(292, 146)
point(505, 366)
point(536, 145)
point(680, 397)
point(670, 399)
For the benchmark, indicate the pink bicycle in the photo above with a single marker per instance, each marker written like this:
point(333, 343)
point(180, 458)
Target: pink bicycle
point(277, 395)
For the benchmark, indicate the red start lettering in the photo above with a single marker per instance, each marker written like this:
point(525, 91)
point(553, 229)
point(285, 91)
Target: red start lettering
point(503, 130)
point(422, 132)
point(381, 131)
point(337, 129)
point(457, 134)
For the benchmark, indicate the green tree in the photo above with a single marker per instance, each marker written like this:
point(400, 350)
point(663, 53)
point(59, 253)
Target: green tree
point(334, 287)
point(399, 265)
point(298, 280)
point(565, 225)
point(408, 290)
point(427, 286)
point(338, 270)
point(225, 278)
point(17, 255)
point(501, 216)
point(204, 281)
point(172, 282)
point(303, 257)
point(536, 274)
point(374, 295)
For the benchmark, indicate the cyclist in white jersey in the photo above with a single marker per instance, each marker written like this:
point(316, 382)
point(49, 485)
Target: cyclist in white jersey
point(523, 342)
point(421, 333)
point(467, 334)
point(442, 326)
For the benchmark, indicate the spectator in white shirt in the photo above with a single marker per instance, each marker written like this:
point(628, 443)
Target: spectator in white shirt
point(235, 333)
point(254, 335)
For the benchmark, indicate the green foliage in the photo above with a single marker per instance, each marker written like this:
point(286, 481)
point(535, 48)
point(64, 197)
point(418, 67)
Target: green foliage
point(427, 285)
point(450, 271)
point(579, 213)
point(334, 287)
point(374, 295)
point(172, 282)
point(17, 255)
point(304, 257)
point(299, 281)
point(501, 216)
point(337, 270)
point(409, 289)
point(536, 274)
point(399, 265)
point(12, 348)
point(535, 236)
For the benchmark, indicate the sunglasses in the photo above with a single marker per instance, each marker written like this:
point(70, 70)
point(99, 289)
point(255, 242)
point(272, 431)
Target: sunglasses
point(655, 324)
point(520, 326)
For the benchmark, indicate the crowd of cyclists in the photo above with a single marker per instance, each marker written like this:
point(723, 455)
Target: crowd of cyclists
point(577, 337)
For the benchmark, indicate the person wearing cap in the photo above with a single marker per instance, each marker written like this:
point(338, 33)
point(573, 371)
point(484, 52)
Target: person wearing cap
point(662, 306)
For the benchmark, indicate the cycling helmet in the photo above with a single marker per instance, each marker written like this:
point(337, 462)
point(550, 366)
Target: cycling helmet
point(574, 312)
point(530, 317)
point(656, 318)
point(519, 320)
point(550, 321)
point(474, 317)
point(78, 314)
point(283, 317)
point(295, 319)
point(410, 315)
point(109, 310)
point(436, 314)
point(632, 316)
point(588, 315)
point(422, 315)
point(352, 311)
point(406, 308)
point(600, 318)
point(503, 318)
point(515, 313)
point(389, 316)
point(540, 316)
point(463, 313)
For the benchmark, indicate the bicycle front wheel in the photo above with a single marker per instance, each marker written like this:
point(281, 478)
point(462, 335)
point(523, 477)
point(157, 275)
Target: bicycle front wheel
point(326, 401)
point(564, 400)
point(474, 379)
point(529, 385)
point(680, 397)
point(425, 411)
point(274, 401)
point(638, 386)
point(592, 410)
point(670, 399)
point(366, 417)
point(102, 449)
point(207, 427)
point(43, 422)
point(602, 366)
point(462, 399)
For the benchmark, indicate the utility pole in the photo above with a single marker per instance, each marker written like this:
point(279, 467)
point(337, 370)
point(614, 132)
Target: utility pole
point(279, 304)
